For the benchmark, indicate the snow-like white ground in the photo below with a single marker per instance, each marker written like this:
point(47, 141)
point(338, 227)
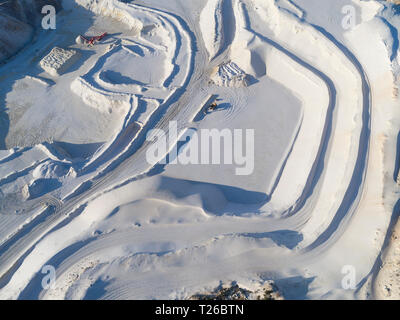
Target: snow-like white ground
point(316, 214)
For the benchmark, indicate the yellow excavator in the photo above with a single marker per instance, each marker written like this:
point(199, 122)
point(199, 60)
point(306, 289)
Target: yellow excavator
point(211, 108)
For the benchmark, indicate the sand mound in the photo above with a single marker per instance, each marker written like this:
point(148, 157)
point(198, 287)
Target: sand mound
point(99, 99)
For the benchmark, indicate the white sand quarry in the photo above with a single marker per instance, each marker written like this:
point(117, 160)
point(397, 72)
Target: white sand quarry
point(77, 192)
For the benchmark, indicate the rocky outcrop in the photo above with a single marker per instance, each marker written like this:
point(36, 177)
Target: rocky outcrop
point(234, 292)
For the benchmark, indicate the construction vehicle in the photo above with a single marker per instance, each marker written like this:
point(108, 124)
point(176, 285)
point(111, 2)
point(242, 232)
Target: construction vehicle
point(92, 40)
point(211, 108)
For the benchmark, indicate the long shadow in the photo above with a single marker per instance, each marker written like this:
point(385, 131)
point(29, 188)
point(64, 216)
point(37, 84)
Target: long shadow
point(117, 78)
point(14, 155)
point(76, 151)
point(203, 111)
point(280, 173)
point(214, 197)
point(395, 35)
point(176, 68)
point(118, 144)
point(6, 86)
point(348, 204)
point(97, 290)
point(288, 238)
point(211, 194)
point(228, 26)
point(319, 163)
point(98, 66)
point(294, 288)
point(354, 190)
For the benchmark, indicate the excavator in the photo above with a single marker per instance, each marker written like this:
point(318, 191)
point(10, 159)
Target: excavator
point(91, 41)
point(210, 108)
